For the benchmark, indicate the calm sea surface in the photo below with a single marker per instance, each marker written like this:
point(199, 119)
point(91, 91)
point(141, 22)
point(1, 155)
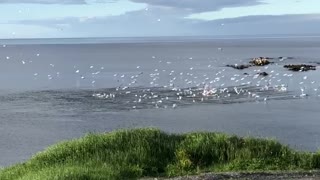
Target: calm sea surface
point(59, 89)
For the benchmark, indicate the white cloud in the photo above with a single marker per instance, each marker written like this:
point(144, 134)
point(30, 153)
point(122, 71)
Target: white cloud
point(146, 22)
point(271, 7)
point(200, 5)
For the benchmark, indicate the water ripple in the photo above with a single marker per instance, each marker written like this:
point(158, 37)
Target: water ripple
point(116, 99)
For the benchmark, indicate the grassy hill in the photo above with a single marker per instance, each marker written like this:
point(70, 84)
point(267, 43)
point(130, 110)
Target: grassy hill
point(136, 153)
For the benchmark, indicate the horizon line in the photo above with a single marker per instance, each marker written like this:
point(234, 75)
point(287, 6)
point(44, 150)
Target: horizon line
point(191, 36)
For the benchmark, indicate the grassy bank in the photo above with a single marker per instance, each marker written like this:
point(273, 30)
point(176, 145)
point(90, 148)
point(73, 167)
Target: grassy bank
point(130, 154)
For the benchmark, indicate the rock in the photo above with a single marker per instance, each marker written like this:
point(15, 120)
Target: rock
point(263, 74)
point(239, 66)
point(300, 67)
point(261, 61)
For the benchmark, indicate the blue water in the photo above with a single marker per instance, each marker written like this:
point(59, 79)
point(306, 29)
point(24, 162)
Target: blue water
point(58, 89)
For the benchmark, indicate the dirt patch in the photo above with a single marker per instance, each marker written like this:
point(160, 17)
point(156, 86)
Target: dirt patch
point(308, 175)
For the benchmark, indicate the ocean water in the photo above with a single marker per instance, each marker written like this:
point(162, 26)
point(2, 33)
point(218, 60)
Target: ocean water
point(59, 89)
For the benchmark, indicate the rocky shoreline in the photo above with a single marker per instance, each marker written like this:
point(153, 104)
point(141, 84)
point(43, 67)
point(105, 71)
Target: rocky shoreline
point(263, 61)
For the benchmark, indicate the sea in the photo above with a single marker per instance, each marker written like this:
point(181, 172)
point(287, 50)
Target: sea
point(53, 90)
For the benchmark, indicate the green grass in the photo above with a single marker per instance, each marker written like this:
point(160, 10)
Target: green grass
point(131, 154)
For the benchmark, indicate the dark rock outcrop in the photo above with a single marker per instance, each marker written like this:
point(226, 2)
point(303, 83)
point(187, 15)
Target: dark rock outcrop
point(300, 67)
point(235, 66)
point(263, 74)
point(261, 61)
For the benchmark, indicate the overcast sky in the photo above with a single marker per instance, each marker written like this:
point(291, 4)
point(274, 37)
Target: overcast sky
point(131, 18)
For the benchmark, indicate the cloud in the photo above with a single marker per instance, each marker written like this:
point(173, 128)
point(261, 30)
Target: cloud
point(187, 5)
point(158, 21)
point(263, 25)
point(55, 1)
point(166, 18)
point(165, 22)
point(288, 18)
point(200, 5)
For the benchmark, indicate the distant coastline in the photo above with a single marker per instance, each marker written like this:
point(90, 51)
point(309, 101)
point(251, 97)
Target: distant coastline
point(149, 39)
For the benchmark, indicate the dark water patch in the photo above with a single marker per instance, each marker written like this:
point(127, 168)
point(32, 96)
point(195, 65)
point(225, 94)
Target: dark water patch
point(119, 99)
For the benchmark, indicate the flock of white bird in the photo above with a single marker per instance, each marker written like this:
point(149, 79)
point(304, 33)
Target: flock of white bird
point(217, 82)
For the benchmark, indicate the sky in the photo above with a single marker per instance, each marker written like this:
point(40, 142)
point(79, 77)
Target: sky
point(141, 18)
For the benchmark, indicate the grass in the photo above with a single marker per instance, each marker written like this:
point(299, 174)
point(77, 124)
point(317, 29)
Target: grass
point(132, 154)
